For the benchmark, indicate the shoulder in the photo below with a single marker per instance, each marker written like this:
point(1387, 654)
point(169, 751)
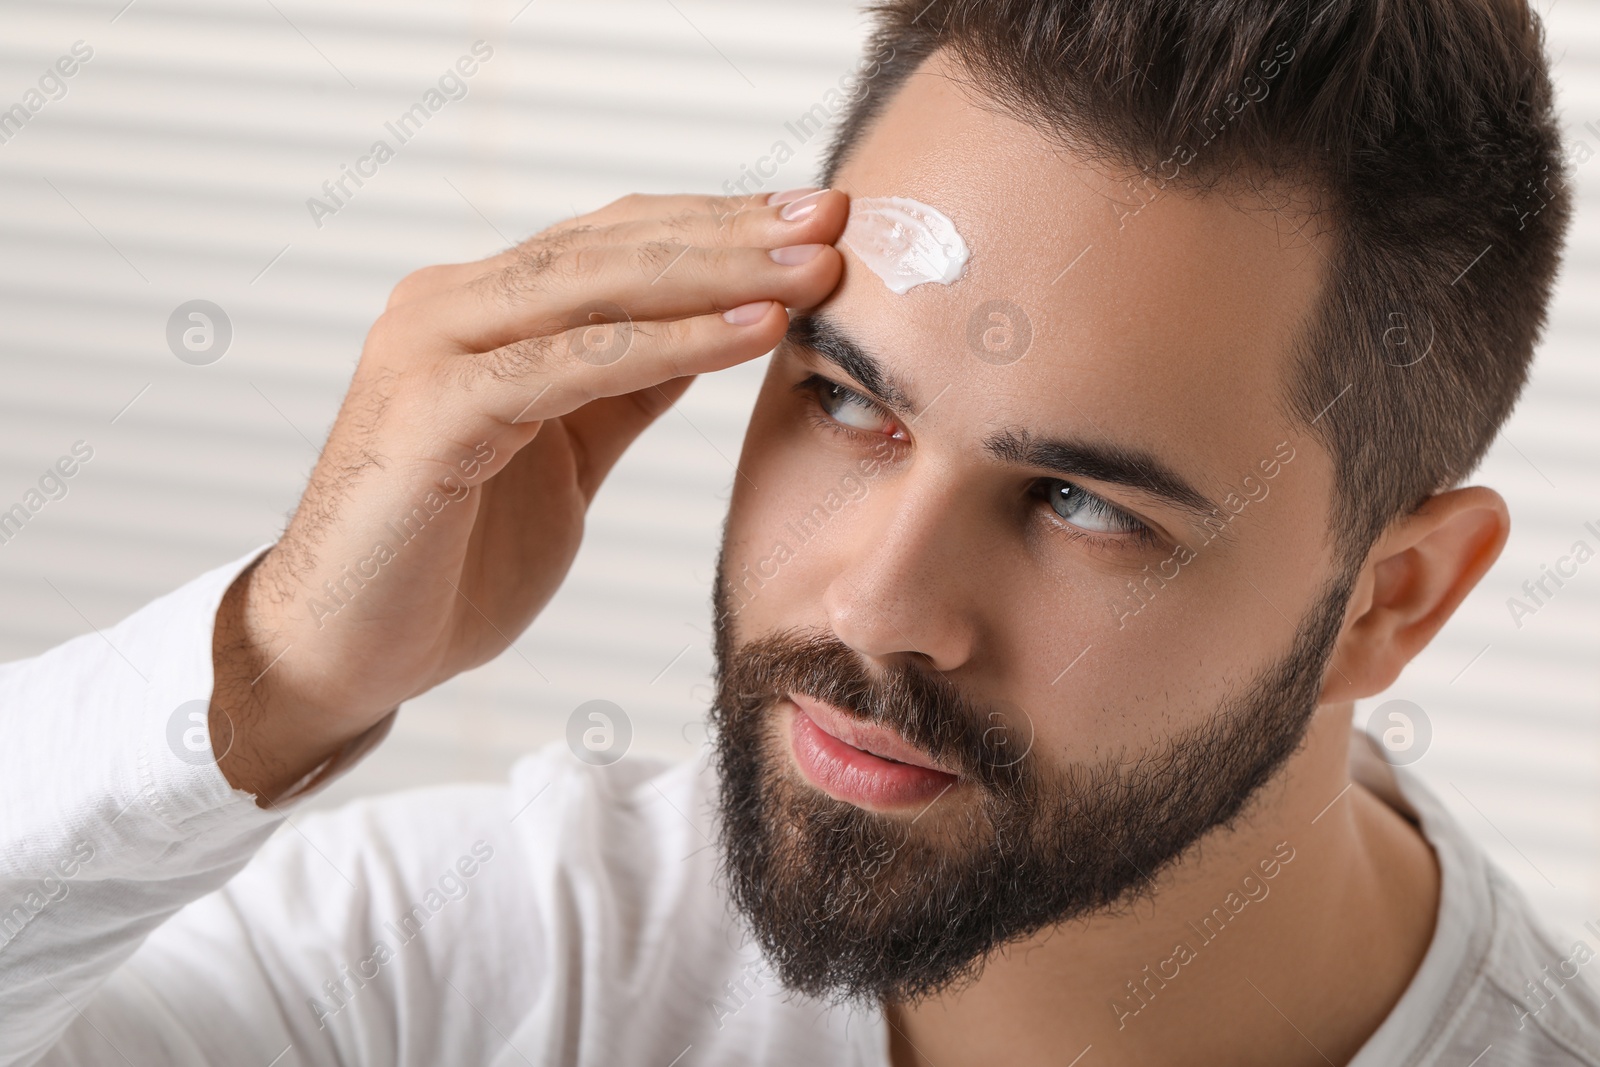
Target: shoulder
point(1540, 994)
point(1497, 978)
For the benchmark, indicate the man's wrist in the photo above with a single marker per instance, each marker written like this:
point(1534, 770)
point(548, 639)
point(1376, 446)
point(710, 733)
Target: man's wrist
point(267, 740)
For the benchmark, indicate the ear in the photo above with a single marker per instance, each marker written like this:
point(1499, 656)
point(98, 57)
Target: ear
point(1414, 577)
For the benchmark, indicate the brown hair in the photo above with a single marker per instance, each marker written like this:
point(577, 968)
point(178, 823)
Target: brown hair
point(1425, 128)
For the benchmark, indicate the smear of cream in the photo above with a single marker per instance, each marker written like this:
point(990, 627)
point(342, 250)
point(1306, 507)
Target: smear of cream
point(905, 242)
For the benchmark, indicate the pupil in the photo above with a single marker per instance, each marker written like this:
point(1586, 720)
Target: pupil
point(1068, 498)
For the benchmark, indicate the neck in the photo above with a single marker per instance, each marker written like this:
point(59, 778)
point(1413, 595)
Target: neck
point(1300, 926)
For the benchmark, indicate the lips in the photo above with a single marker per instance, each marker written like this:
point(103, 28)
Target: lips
point(861, 763)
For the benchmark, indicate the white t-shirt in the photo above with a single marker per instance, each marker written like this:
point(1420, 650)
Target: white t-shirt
point(572, 915)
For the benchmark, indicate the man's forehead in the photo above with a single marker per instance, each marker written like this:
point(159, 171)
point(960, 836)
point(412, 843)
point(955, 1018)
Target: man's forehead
point(1167, 316)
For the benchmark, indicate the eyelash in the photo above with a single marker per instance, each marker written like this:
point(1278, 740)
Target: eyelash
point(1140, 535)
point(813, 387)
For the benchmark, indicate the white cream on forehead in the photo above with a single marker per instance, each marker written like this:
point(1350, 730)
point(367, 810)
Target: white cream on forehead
point(905, 242)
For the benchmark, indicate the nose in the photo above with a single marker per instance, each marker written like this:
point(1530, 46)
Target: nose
point(910, 570)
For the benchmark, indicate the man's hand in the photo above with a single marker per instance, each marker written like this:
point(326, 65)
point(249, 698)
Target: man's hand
point(490, 401)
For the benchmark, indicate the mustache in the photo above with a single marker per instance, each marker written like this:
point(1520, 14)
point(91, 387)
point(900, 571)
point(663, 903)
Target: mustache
point(989, 743)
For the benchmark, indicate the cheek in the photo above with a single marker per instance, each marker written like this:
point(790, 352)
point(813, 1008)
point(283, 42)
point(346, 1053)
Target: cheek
point(1104, 672)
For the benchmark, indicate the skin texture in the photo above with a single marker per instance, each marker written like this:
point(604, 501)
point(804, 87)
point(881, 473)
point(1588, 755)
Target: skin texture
point(1170, 334)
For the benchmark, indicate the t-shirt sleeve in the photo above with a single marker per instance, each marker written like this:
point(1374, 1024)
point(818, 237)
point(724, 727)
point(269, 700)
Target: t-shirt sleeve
point(393, 930)
point(113, 813)
point(152, 914)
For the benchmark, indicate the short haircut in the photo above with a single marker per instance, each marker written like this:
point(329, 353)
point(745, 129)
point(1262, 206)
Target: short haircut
point(1425, 130)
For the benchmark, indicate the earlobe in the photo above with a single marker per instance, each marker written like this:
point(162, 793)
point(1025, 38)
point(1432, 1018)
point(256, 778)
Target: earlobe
point(1414, 578)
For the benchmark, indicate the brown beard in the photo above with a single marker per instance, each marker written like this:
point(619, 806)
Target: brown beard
point(850, 904)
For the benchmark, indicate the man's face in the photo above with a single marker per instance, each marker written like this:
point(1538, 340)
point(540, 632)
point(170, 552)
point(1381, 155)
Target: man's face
point(1017, 580)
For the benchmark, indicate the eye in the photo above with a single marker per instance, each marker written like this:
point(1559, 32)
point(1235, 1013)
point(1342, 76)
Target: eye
point(1083, 514)
point(846, 410)
point(848, 407)
point(1092, 514)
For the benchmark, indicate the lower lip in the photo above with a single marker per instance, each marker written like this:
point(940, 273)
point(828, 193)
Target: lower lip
point(857, 777)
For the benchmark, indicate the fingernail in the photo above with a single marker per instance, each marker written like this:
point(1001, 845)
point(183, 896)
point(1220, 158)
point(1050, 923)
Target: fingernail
point(794, 255)
point(789, 194)
point(745, 314)
point(796, 210)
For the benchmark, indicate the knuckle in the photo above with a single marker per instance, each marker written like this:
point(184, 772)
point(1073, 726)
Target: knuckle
point(387, 339)
point(663, 335)
point(517, 360)
point(417, 284)
point(600, 334)
point(727, 262)
point(669, 341)
point(523, 275)
point(736, 222)
point(680, 223)
point(727, 207)
point(560, 238)
point(654, 257)
point(584, 262)
point(566, 234)
point(621, 208)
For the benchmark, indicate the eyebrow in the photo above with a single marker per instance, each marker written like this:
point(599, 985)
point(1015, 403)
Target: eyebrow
point(816, 333)
point(1114, 464)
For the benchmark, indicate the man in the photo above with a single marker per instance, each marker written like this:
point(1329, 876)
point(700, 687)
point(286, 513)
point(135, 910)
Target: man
point(1086, 491)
